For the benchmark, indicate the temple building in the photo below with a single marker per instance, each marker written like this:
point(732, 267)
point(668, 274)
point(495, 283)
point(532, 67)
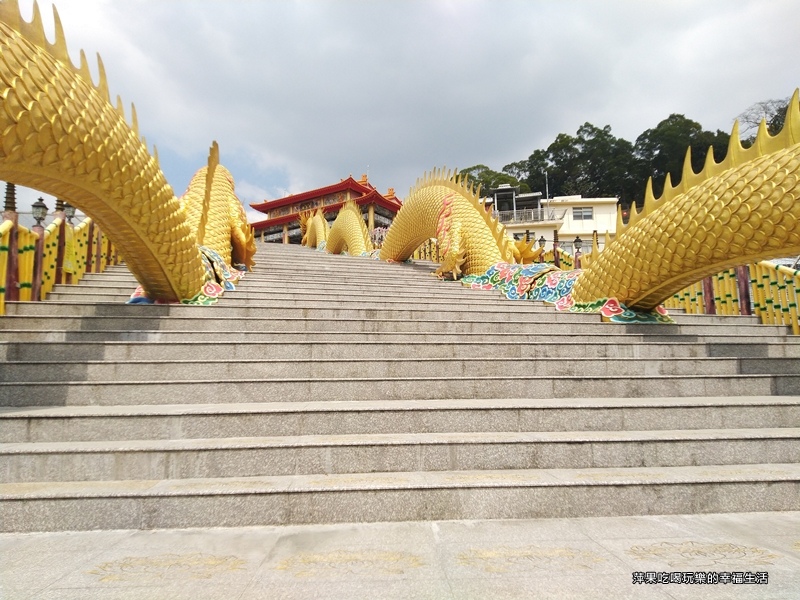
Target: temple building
point(282, 222)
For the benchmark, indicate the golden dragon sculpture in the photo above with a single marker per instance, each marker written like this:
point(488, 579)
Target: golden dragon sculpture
point(741, 210)
point(447, 207)
point(348, 234)
point(62, 135)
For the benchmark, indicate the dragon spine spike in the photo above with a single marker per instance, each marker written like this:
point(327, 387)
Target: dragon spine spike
point(155, 154)
point(59, 48)
point(735, 150)
point(120, 107)
point(35, 33)
point(710, 166)
point(791, 123)
point(134, 120)
point(102, 86)
point(633, 213)
point(83, 70)
point(621, 226)
point(650, 202)
point(213, 161)
point(688, 176)
point(667, 185)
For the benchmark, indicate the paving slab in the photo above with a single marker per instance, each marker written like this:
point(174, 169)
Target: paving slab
point(478, 559)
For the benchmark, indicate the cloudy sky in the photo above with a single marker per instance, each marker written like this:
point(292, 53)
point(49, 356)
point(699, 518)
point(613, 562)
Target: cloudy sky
point(302, 93)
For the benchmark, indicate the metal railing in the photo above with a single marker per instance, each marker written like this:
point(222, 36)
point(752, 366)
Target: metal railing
point(530, 215)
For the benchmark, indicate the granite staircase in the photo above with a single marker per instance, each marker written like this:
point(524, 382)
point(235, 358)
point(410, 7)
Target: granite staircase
point(338, 389)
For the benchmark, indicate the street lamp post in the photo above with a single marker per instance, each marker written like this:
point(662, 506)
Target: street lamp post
point(578, 243)
point(69, 212)
point(39, 211)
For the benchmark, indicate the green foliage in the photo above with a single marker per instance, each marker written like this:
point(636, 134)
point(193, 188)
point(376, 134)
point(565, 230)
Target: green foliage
point(594, 163)
point(487, 178)
point(662, 150)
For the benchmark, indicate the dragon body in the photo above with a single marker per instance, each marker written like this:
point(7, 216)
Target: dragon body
point(741, 210)
point(216, 216)
point(61, 135)
point(349, 232)
point(314, 228)
point(445, 206)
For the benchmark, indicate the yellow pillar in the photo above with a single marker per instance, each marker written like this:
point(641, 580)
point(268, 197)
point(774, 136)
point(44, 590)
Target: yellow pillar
point(371, 217)
point(285, 233)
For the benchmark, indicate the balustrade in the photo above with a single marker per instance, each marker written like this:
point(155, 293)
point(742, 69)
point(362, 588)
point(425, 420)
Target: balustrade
point(32, 262)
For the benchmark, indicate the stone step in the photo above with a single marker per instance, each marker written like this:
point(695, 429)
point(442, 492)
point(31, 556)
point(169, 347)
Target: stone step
point(336, 417)
point(370, 453)
point(368, 286)
point(244, 305)
point(665, 335)
point(239, 368)
point(392, 496)
point(297, 291)
point(242, 308)
point(490, 351)
point(108, 392)
point(401, 322)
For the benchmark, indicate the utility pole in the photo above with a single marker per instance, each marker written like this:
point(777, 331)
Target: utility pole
point(546, 187)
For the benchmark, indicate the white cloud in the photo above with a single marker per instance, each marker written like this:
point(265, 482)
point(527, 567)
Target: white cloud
point(302, 94)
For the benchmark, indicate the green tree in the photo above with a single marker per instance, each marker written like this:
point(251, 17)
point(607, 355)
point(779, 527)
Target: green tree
point(771, 111)
point(591, 163)
point(662, 149)
point(488, 178)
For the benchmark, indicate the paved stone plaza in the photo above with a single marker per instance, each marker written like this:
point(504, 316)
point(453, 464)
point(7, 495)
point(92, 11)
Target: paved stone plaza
point(546, 558)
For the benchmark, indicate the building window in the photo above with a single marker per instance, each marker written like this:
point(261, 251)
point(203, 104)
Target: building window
point(582, 214)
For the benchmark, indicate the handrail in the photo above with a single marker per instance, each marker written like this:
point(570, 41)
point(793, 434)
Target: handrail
point(67, 253)
point(766, 290)
point(5, 241)
point(530, 215)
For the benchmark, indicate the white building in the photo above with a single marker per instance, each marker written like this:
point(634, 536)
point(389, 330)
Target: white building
point(572, 216)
